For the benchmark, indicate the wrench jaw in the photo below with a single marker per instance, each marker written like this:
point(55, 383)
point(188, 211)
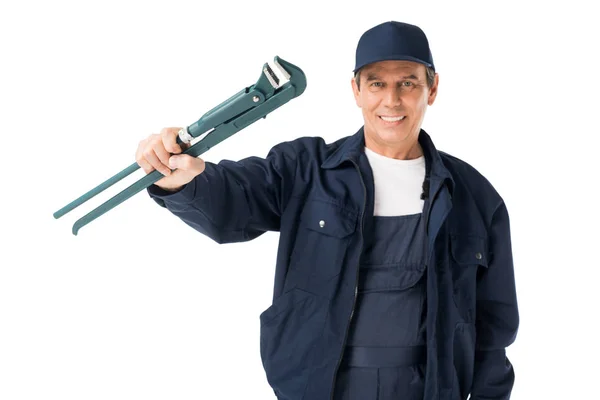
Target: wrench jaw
point(271, 76)
point(281, 74)
point(277, 61)
point(267, 83)
point(293, 74)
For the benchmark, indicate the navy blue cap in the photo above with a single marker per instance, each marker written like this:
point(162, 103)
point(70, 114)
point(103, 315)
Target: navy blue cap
point(393, 41)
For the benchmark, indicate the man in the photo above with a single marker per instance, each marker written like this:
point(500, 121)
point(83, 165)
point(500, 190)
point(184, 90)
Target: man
point(394, 275)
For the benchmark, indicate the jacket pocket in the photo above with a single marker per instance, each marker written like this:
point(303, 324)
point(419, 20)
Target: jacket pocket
point(321, 245)
point(289, 330)
point(469, 254)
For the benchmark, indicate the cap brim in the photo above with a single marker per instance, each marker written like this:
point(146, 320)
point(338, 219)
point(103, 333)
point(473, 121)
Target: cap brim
point(400, 57)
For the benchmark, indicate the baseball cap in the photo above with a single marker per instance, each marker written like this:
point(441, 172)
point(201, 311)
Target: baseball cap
point(393, 40)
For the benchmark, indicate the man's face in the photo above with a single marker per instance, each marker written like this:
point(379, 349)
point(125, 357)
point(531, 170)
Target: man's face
point(389, 90)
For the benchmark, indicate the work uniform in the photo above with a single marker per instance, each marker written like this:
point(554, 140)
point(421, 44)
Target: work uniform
point(385, 352)
point(328, 212)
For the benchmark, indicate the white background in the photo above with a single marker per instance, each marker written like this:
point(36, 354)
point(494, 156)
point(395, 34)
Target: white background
point(141, 306)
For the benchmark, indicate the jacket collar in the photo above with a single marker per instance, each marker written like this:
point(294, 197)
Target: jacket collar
point(353, 146)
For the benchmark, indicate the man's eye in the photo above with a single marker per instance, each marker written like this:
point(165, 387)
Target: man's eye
point(408, 83)
point(377, 84)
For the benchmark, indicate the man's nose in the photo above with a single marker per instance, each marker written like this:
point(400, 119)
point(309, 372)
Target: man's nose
point(392, 97)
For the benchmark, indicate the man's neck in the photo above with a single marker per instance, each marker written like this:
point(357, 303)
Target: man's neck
point(409, 153)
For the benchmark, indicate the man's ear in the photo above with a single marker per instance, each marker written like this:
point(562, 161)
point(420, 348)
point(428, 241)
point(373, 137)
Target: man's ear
point(356, 92)
point(433, 91)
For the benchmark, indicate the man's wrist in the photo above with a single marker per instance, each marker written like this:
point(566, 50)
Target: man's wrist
point(169, 189)
point(177, 189)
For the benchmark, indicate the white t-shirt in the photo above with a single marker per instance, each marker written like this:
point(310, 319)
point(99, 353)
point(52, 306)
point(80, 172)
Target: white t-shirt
point(398, 184)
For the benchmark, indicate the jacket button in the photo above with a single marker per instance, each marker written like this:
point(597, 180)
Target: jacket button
point(321, 223)
point(478, 256)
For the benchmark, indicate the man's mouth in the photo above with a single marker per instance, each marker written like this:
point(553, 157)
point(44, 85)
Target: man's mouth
point(392, 119)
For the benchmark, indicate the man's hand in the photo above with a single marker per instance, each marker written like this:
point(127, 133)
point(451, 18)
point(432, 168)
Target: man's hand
point(162, 153)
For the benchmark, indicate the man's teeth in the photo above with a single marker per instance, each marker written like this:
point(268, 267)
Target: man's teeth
point(391, 119)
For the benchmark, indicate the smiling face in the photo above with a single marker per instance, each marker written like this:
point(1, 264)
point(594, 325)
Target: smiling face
point(394, 96)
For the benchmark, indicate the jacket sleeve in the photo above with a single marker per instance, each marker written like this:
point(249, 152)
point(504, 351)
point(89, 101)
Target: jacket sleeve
point(235, 201)
point(497, 316)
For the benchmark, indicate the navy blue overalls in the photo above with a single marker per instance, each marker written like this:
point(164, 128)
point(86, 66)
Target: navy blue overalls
point(385, 353)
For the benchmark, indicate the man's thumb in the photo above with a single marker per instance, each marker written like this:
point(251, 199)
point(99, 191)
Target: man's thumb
point(179, 161)
point(184, 161)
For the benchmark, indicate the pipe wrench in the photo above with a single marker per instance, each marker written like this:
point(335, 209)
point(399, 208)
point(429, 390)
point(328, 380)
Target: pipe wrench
point(234, 114)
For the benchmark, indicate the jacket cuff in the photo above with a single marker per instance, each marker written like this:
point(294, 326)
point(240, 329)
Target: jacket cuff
point(185, 195)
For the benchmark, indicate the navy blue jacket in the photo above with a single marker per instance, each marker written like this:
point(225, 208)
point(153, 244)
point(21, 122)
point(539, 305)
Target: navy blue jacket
point(314, 194)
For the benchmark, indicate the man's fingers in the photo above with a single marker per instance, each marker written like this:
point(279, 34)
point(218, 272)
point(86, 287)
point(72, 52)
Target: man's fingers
point(161, 152)
point(169, 140)
point(163, 155)
point(139, 156)
point(145, 165)
point(153, 159)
